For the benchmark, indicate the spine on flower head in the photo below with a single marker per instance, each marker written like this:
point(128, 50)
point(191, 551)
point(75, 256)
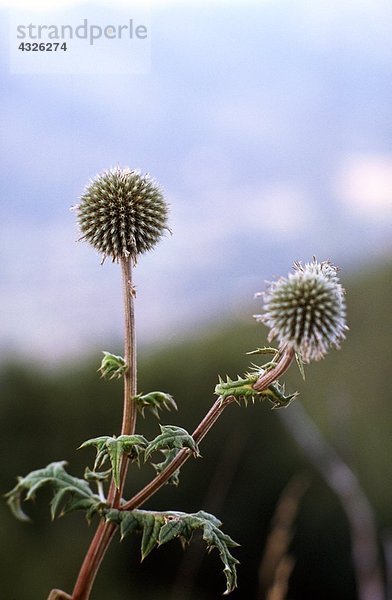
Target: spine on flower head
point(306, 311)
point(122, 213)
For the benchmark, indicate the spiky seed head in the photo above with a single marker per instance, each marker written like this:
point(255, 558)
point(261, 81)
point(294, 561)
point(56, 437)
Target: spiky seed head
point(122, 213)
point(306, 311)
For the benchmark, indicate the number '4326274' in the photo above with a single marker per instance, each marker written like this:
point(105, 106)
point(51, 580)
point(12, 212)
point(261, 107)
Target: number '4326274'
point(42, 46)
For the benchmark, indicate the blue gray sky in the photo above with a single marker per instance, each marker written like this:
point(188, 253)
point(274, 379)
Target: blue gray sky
point(268, 124)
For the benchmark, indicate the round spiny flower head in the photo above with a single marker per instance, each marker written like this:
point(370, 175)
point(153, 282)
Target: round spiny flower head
point(122, 213)
point(306, 311)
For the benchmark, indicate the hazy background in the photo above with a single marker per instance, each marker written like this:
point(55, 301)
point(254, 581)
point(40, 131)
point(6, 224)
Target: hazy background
point(269, 125)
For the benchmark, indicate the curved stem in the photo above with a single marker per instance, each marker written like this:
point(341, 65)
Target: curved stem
point(105, 531)
point(281, 367)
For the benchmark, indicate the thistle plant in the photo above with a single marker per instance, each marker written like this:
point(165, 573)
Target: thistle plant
point(122, 214)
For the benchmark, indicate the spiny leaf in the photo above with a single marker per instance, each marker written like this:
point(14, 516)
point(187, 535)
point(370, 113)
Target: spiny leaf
point(169, 456)
point(112, 366)
point(59, 506)
point(242, 389)
point(172, 529)
point(98, 476)
point(100, 444)
point(172, 437)
point(114, 448)
point(215, 538)
point(275, 393)
point(70, 493)
point(151, 528)
point(15, 503)
point(264, 350)
point(158, 528)
point(129, 521)
point(115, 451)
point(56, 502)
point(155, 401)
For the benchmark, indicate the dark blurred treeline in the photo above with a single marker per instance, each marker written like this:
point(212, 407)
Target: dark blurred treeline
point(248, 459)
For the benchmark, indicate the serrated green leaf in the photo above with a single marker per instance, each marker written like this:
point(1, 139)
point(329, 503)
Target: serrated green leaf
point(112, 366)
point(100, 444)
point(98, 476)
point(158, 528)
point(114, 448)
point(57, 500)
point(128, 521)
point(172, 437)
point(15, 503)
point(275, 394)
point(172, 529)
point(215, 538)
point(242, 389)
point(115, 451)
point(155, 401)
point(174, 479)
point(151, 528)
point(70, 493)
point(34, 485)
point(133, 445)
point(205, 516)
point(129, 525)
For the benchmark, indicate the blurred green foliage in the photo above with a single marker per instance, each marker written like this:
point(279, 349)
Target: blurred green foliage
point(247, 460)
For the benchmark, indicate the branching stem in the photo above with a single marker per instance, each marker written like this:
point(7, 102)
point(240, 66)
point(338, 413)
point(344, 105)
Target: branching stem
point(203, 428)
point(105, 531)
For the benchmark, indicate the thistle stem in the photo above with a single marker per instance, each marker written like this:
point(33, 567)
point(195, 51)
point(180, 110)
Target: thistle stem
point(266, 379)
point(130, 376)
point(105, 531)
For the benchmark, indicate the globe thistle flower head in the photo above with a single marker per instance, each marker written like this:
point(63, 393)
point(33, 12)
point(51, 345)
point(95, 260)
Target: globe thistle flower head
point(306, 311)
point(122, 213)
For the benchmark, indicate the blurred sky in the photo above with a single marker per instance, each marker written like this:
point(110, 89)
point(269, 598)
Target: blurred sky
point(269, 126)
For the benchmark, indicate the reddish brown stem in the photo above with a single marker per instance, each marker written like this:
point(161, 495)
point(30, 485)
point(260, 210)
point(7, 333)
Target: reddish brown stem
point(105, 531)
point(273, 374)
